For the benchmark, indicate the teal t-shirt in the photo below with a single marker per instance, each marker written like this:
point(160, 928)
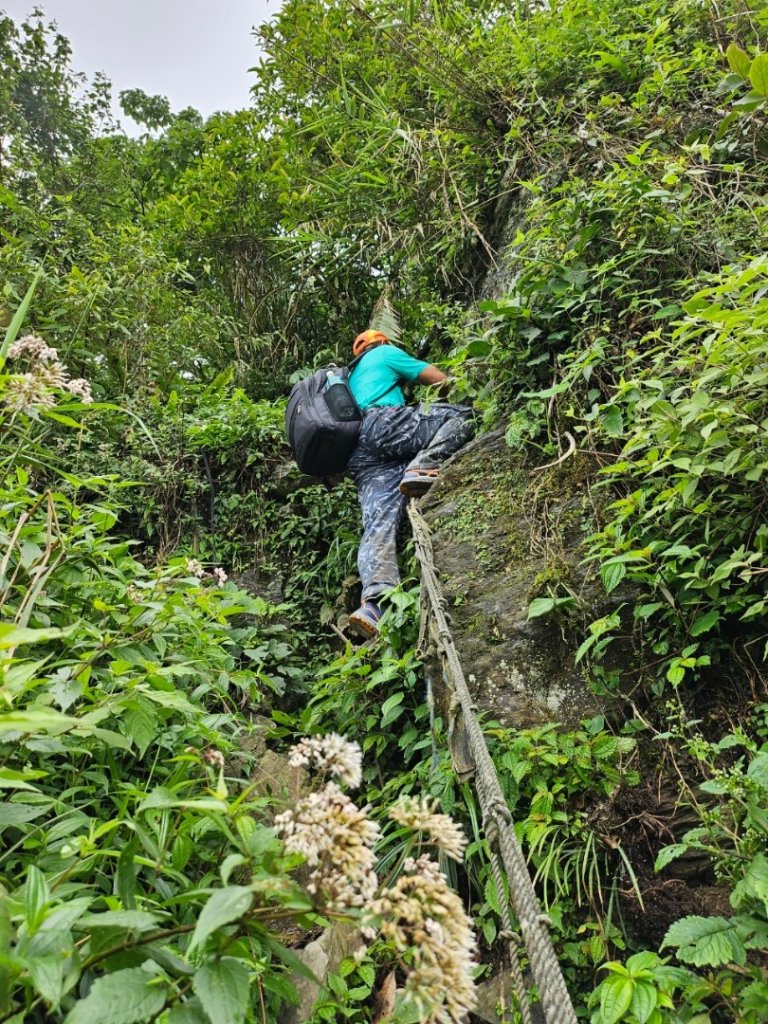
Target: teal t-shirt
point(381, 370)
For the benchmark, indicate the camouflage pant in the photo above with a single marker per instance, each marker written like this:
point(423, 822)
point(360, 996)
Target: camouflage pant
point(394, 438)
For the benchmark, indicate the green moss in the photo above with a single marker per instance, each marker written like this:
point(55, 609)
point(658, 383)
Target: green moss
point(489, 497)
point(555, 572)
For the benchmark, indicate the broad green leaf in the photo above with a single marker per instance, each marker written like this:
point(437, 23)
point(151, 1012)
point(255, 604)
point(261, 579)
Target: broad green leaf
point(714, 786)
point(222, 907)
point(705, 622)
point(130, 920)
point(615, 997)
point(229, 864)
point(36, 721)
point(173, 699)
point(36, 896)
point(491, 896)
point(612, 573)
point(170, 963)
point(584, 647)
point(367, 973)
point(62, 918)
point(703, 941)
point(160, 798)
point(47, 973)
point(750, 102)
point(755, 996)
point(738, 60)
point(645, 611)
point(190, 1012)
point(222, 987)
point(130, 996)
point(758, 769)
point(544, 605)
point(479, 348)
point(182, 850)
point(666, 312)
point(140, 727)
point(391, 710)
point(758, 74)
point(556, 389)
point(540, 606)
point(12, 779)
point(668, 854)
point(114, 740)
point(613, 421)
point(643, 961)
point(66, 421)
point(12, 635)
point(643, 1001)
point(754, 884)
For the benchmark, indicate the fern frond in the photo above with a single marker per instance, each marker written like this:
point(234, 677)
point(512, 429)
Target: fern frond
point(384, 317)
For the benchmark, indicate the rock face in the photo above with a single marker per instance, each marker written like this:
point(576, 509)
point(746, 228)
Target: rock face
point(496, 1001)
point(322, 957)
point(505, 533)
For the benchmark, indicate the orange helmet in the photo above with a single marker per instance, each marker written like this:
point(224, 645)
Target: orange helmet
point(367, 338)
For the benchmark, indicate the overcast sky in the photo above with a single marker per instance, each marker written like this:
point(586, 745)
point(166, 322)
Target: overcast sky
point(195, 52)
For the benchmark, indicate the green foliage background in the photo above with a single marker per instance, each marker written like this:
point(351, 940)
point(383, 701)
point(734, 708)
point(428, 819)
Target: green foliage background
point(566, 205)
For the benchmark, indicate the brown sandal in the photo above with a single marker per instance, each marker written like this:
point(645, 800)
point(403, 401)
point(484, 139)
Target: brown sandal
point(416, 482)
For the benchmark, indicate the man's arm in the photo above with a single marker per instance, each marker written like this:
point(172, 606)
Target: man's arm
point(433, 375)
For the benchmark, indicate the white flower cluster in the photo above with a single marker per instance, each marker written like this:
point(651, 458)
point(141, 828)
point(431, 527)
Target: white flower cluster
point(420, 917)
point(52, 375)
point(424, 920)
point(80, 388)
point(336, 837)
point(331, 754)
point(195, 568)
point(26, 391)
point(33, 348)
point(421, 815)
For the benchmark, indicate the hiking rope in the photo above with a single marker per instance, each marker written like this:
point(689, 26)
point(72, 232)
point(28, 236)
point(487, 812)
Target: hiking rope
point(497, 819)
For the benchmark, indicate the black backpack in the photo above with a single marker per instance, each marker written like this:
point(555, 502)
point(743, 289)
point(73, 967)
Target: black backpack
point(322, 420)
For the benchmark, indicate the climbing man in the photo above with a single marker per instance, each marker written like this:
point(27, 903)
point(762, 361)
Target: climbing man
point(398, 455)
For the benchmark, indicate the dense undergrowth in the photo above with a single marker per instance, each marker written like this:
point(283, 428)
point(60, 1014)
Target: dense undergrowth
point(566, 207)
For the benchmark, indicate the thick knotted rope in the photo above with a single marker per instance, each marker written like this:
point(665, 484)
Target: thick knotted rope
point(497, 819)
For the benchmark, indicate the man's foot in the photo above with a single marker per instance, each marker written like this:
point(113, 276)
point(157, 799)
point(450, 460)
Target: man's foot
point(416, 482)
point(365, 621)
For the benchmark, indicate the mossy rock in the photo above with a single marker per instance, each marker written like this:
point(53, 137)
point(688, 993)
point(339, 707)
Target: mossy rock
point(505, 532)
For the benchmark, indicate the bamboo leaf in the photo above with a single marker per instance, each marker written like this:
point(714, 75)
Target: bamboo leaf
point(18, 319)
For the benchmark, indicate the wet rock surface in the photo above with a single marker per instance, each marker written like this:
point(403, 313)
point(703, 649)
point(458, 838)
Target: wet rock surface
point(504, 533)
